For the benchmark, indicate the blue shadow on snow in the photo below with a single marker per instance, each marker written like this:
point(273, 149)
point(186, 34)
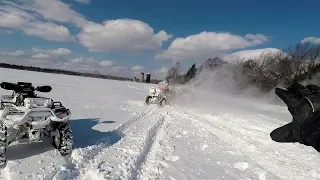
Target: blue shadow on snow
point(84, 135)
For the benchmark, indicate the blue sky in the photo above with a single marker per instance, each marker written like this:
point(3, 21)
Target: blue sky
point(126, 37)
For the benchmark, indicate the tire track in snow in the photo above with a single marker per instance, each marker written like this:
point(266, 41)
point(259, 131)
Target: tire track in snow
point(81, 157)
point(224, 135)
point(129, 123)
point(149, 142)
point(130, 154)
point(249, 146)
point(253, 149)
point(159, 152)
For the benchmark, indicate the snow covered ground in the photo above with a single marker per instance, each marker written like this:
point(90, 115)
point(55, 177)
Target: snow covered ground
point(208, 136)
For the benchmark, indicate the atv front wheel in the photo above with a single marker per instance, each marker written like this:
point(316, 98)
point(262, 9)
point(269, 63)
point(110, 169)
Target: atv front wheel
point(147, 101)
point(3, 145)
point(163, 102)
point(63, 141)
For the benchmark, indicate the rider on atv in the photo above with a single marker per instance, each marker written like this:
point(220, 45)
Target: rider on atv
point(163, 86)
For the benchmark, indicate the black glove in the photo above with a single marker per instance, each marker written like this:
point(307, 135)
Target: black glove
point(304, 105)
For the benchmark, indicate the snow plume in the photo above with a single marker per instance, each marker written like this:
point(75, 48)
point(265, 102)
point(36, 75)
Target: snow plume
point(221, 87)
point(257, 76)
point(314, 80)
point(225, 81)
point(217, 91)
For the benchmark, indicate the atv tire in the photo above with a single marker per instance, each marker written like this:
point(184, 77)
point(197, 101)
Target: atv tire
point(148, 100)
point(3, 145)
point(163, 102)
point(63, 142)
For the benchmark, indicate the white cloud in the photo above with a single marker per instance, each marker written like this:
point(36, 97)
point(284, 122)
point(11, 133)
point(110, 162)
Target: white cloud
point(15, 53)
point(83, 1)
point(159, 73)
point(48, 31)
point(39, 62)
point(208, 44)
point(106, 63)
point(137, 68)
point(164, 70)
point(13, 16)
point(112, 35)
point(15, 9)
point(40, 56)
point(56, 10)
point(84, 60)
point(82, 64)
point(314, 40)
point(121, 35)
point(59, 51)
point(119, 68)
point(11, 20)
point(256, 38)
point(249, 54)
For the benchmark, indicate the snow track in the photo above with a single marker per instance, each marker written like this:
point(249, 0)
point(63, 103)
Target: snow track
point(89, 163)
point(248, 142)
point(151, 139)
point(82, 159)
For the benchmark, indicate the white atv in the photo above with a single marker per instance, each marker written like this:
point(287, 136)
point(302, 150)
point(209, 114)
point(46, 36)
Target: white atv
point(156, 96)
point(26, 117)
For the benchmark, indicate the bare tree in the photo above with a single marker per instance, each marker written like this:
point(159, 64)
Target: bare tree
point(173, 73)
point(271, 69)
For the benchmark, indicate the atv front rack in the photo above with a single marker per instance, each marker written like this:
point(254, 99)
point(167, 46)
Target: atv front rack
point(16, 116)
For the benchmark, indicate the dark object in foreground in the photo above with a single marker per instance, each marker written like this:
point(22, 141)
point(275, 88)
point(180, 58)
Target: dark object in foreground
point(304, 105)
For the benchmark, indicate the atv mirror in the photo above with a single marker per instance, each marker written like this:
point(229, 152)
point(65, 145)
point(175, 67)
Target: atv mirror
point(8, 86)
point(44, 88)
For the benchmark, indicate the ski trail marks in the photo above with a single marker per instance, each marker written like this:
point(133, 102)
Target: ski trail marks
point(80, 158)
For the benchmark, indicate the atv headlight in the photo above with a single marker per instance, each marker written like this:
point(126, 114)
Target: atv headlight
point(37, 102)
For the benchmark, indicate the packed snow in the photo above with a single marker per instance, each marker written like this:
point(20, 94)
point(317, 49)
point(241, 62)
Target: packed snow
point(203, 135)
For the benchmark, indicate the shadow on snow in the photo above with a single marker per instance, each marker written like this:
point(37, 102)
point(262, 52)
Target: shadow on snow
point(83, 136)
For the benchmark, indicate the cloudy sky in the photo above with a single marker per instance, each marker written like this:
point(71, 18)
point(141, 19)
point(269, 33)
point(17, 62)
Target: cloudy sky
point(125, 37)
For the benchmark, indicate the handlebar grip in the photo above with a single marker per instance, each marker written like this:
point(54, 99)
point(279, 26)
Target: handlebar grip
point(8, 86)
point(44, 88)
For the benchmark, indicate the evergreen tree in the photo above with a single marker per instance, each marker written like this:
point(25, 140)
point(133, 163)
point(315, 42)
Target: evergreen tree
point(191, 73)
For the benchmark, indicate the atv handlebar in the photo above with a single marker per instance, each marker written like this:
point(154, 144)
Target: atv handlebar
point(23, 87)
point(44, 88)
point(8, 86)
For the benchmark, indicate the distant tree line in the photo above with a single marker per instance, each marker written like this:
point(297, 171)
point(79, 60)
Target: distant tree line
point(294, 64)
point(66, 72)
